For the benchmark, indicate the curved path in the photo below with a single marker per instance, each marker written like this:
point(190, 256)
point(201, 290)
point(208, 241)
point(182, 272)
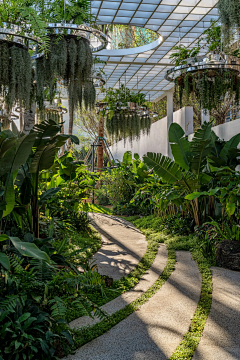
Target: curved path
point(221, 335)
point(154, 331)
point(123, 245)
point(121, 301)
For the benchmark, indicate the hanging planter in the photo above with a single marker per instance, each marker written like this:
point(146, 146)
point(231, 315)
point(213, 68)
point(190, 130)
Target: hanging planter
point(127, 114)
point(69, 61)
point(50, 112)
point(211, 78)
point(127, 124)
point(16, 74)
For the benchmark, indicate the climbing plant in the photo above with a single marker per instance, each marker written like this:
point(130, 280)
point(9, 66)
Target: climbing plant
point(16, 74)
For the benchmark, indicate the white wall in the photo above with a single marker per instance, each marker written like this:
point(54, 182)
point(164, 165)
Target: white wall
point(157, 140)
point(225, 131)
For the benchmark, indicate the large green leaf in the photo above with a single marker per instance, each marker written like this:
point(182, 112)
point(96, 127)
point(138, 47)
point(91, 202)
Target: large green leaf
point(127, 158)
point(29, 249)
point(230, 208)
point(200, 148)
point(17, 155)
point(48, 194)
point(9, 195)
point(180, 145)
point(4, 261)
point(164, 167)
point(45, 155)
point(231, 144)
point(45, 131)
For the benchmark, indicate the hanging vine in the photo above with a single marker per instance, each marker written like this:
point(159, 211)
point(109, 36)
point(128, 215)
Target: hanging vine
point(16, 75)
point(210, 87)
point(124, 125)
point(70, 62)
point(46, 115)
point(229, 11)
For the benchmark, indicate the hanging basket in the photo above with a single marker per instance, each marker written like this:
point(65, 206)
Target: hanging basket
point(209, 80)
point(127, 124)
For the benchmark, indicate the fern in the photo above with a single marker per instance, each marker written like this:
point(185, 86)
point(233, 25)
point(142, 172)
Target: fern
point(44, 271)
point(58, 308)
point(11, 301)
point(16, 264)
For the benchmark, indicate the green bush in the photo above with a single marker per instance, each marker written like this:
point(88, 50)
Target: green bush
point(27, 333)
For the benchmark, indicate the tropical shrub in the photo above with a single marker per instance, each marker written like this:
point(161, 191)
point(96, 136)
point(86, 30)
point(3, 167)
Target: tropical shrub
point(26, 332)
point(120, 184)
point(190, 173)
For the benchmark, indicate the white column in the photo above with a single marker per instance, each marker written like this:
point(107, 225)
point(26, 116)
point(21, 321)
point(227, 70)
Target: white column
point(169, 117)
point(205, 116)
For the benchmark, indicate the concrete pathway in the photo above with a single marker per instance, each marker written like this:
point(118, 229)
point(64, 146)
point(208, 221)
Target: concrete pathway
point(120, 302)
point(221, 335)
point(123, 245)
point(153, 332)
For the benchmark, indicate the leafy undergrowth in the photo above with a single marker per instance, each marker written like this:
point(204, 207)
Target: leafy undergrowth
point(88, 207)
point(86, 243)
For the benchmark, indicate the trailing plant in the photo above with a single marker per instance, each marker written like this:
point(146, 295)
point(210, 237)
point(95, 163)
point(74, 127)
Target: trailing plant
point(48, 115)
point(209, 86)
point(16, 75)
point(127, 124)
point(229, 17)
point(69, 61)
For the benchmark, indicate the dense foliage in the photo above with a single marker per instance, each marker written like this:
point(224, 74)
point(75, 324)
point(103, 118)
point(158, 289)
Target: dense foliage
point(45, 245)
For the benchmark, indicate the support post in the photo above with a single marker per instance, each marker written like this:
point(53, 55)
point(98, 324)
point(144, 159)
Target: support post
point(100, 148)
point(169, 117)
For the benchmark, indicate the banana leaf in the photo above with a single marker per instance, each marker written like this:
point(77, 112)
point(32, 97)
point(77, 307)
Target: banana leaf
point(163, 166)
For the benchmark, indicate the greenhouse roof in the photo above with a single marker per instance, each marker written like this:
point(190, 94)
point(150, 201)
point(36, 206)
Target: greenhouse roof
point(144, 68)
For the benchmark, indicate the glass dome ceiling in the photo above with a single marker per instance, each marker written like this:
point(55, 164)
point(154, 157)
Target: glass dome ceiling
point(173, 20)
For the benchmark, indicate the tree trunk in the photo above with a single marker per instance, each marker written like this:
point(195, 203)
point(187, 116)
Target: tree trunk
point(70, 126)
point(62, 148)
point(29, 119)
point(100, 148)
